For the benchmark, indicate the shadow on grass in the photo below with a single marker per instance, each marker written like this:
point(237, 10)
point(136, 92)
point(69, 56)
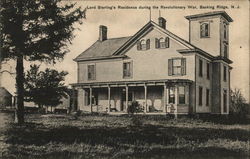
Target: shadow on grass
point(39, 135)
point(124, 138)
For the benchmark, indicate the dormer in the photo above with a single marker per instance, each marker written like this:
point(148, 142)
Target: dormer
point(210, 32)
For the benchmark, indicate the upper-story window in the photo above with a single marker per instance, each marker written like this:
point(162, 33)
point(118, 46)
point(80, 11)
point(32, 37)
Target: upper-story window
point(91, 72)
point(200, 68)
point(225, 73)
point(127, 69)
point(225, 31)
point(225, 50)
point(208, 71)
point(162, 42)
point(143, 44)
point(177, 66)
point(204, 30)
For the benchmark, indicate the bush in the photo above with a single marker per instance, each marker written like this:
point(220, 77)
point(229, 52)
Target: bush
point(135, 107)
point(238, 106)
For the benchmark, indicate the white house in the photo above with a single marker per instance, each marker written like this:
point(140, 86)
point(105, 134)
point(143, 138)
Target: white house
point(159, 69)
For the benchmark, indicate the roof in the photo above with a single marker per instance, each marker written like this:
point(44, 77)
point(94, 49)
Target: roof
point(102, 48)
point(4, 92)
point(222, 13)
point(117, 47)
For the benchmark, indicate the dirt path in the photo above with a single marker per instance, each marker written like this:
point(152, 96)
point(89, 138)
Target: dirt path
point(5, 118)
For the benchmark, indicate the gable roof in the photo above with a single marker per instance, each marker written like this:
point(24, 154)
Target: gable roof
point(116, 47)
point(222, 13)
point(102, 48)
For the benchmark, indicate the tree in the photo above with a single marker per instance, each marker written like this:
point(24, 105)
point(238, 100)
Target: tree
point(35, 30)
point(238, 106)
point(44, 88)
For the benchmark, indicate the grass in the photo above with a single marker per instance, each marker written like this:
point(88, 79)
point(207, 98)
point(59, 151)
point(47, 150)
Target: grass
point(101, 136)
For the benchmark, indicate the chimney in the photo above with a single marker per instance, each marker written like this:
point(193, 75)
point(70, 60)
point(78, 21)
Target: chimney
point(103, 33)
point(162, 22)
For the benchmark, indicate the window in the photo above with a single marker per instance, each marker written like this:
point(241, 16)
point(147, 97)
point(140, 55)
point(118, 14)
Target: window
point(91, 72)
point(127, 69)
point(200, 68)
point(143, 44)
point(225, 31)
point(200, 96)
point(225, 101)
point(204, 30)
point(162, 43)
point(177, 66)
point(208, 71)
point(181, 95)
point(171, 95)
point(207, 97)
point(225, 73)
point(225, 50)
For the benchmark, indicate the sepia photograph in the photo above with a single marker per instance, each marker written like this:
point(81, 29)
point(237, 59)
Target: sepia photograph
point(124, 79)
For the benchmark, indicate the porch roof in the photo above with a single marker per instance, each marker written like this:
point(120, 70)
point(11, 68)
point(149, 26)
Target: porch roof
point(132, 83)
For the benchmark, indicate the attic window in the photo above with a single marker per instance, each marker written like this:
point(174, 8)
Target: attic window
point(143, 44)
point(162, 43)
point(204, 30)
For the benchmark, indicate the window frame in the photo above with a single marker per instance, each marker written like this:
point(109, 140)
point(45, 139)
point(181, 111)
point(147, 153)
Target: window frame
point(200, 97)
point(169, 95)
point(130, 70)
point(225, 105)
point(182, 66)
point(208, 70)
point(184, 94)
point(143, 45)
point(225, 50)
point(206, 30)
point(200, 67)
point(225, 31)
point(224, 73)
point(162, 43)
point(207, 97)
point(94, 72)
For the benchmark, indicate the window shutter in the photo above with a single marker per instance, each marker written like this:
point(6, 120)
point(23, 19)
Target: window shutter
point(167, 42)
point(156, 43)
point(170, 67)
point(148, 44)
point(138, 45)
point(183, 66)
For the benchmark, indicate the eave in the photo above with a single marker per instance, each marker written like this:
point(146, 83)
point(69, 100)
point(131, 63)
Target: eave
point(99, 58)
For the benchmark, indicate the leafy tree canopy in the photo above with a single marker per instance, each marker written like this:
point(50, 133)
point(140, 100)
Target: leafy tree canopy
point(38, 29)
point(45, 88)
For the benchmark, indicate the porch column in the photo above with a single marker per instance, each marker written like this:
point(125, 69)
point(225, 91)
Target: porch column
point(145, 95)
point(90, 99)
point(109, 99)
point(126, 103)
point(176, 101)
point(164, 97)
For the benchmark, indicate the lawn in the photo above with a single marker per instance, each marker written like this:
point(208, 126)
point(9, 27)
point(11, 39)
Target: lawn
point(103, 136)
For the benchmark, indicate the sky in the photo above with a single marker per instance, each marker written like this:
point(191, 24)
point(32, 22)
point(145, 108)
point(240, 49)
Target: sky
point(126, 22)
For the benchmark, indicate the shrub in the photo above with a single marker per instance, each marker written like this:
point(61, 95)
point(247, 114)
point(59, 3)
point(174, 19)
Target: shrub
point(135, 107)
point(238, 106)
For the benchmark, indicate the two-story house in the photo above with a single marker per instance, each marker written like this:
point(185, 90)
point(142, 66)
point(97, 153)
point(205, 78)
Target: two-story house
point(159, 69)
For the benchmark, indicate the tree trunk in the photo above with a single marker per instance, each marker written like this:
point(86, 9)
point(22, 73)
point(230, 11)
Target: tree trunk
point(19, 113)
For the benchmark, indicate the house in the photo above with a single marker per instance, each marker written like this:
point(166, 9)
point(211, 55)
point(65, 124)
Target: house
point(5, 98)
point(163, 72)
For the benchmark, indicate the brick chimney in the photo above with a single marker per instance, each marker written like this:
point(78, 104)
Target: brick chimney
point(162, 22)
point(103, 33)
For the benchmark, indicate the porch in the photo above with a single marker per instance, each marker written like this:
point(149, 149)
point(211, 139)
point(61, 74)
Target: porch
point(154, 97)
